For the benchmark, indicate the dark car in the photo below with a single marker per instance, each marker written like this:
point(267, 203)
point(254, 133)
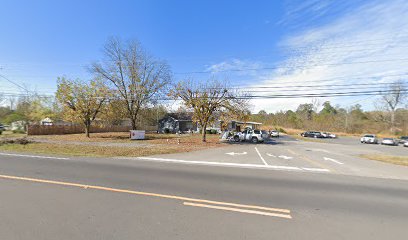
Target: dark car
point(2, 128)
point(312, 134)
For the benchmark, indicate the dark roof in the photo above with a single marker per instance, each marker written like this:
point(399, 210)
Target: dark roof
point(182, 116)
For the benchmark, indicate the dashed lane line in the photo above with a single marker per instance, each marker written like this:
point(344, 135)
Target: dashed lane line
point(270, 214)
point(252, 209)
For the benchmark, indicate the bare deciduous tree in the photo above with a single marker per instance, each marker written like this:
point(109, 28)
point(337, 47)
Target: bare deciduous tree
point(394, 97)
point(207, 99)
point(137, 78)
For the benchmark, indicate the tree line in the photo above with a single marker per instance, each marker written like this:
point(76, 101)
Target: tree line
point(129, 83)
point(326, 117)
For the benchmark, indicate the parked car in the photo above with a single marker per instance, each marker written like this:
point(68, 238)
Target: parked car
point(2, 128)
point(389, 141)
point(312, 134)
point(369, 138)
point(332, 135)
point(328, 135)
point(406, 144)
point(274, 133)
point(403, 139)
point(254, 136)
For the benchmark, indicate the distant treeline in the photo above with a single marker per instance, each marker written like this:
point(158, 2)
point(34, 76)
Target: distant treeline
point(337, 119)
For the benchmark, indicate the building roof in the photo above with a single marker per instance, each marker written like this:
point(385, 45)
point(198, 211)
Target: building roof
point(254, 123)
point(181, 116)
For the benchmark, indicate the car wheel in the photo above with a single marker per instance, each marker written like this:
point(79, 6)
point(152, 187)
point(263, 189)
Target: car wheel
point(254, 140)
point(236, 139)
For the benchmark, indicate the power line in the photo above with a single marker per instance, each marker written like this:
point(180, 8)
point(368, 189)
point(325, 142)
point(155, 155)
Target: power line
point(291, 67)
point(14, 83)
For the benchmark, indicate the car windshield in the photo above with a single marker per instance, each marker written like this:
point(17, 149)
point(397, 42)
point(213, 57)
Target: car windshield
point(388, 139)
point(370, 136)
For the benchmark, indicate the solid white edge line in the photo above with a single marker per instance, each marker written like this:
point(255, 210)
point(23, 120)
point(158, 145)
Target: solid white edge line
point(316, 169)
point(237, 165)
point(32, 156)
point(259, 154)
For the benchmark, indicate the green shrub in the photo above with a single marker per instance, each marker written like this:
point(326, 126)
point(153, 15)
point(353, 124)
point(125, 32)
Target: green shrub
point(18, 131)
point(213, 131)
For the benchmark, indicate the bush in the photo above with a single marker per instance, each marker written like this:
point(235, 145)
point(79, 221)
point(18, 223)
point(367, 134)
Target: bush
point(22, 141)
point(213, 131)
point(282, 130)
point(18, 131)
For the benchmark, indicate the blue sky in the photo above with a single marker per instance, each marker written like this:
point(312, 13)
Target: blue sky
point(41, 40)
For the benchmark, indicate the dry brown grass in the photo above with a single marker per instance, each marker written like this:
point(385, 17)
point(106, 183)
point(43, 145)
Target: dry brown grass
point(297, 132)
point(123, 137)
point(10, 134)
point(157, 144)
point(399, 160)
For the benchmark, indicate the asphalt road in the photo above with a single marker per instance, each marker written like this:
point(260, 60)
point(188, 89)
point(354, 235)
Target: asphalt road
point(150, 199)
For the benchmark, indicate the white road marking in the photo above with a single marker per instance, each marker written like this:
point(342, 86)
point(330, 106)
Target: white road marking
point(263, 160)
point(221, 164)
point(234, 153)
point(270, 155)
point(316, 169)
point(271, 214)
point(318, 150)
point(32, 156)
point(285, 157)
point(333, 160)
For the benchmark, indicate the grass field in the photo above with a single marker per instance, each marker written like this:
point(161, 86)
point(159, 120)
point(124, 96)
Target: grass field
point(98, 145)
point(399, 160)
point(10, 134)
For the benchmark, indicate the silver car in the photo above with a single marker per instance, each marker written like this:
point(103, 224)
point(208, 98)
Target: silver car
point(369, 138)
point(274, 133)
point(389, 141)
point(254, 136)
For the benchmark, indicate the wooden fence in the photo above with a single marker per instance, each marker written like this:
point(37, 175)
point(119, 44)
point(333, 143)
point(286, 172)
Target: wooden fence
point(60, 130)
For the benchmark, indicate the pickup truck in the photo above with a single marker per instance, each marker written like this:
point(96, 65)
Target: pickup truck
point(254, 136)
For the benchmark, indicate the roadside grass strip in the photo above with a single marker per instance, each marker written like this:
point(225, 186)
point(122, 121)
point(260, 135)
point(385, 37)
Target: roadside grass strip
point(223, 164)
point(187, 201)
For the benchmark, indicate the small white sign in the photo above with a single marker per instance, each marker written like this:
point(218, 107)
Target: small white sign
point(137, 134)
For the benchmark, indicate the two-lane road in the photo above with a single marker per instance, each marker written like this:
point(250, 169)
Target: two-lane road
point(76, 198)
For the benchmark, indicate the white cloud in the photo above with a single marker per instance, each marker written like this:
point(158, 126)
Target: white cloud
point(242, 67)
point(372, 37)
